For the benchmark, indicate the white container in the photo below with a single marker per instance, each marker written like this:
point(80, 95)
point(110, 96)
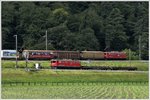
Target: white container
point(37, 66)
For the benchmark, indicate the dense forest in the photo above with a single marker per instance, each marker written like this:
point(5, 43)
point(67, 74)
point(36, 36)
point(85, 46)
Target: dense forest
point(114, 26)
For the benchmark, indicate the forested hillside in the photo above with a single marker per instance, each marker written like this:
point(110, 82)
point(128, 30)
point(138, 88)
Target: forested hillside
point(76, 25)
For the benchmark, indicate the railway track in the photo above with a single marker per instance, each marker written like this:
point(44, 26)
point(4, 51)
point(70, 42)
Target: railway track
point(99, 70)
point(81, 60)
point(86, 69)
point(109, 68)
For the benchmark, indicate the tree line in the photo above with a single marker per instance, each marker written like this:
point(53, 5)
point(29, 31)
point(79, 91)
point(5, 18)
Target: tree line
point(114, 26)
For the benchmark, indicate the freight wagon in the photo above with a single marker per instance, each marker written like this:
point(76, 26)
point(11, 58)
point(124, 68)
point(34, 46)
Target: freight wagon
point(92, 55)
point(67, 54)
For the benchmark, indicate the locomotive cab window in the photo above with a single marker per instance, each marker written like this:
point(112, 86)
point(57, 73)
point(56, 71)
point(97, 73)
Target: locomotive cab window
point(53, 61)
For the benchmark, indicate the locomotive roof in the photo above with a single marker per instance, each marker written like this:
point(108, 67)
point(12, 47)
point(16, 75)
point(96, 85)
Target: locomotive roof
point(63, 60)
point(38, 50)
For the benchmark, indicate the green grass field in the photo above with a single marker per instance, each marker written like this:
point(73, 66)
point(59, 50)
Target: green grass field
point(76, 92)
point(20, 75)
point(120, 85)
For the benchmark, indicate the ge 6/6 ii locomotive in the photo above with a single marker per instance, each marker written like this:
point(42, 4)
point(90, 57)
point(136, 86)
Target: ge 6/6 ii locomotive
point(65, 64)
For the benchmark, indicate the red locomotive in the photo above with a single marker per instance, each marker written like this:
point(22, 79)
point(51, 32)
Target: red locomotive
point(65, 64)
point(115, 55)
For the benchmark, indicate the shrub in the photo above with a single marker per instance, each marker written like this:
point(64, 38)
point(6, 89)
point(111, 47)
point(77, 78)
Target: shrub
point(133, 54)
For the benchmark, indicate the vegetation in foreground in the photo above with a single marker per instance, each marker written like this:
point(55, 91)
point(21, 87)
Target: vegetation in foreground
point(47, 75)
point(123, 90)
point(76, 92)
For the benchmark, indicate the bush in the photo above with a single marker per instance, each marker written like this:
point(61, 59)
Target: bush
point(133, 54)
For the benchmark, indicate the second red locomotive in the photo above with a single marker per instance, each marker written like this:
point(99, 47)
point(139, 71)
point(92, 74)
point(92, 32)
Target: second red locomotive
point(65, 64)
point(115, 55)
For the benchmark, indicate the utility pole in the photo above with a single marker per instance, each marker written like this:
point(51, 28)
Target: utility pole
point(139, 47)
point(130, 57)
point(16, 52)
point(46, 39)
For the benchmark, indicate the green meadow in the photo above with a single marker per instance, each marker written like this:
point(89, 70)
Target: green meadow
point(79, 84)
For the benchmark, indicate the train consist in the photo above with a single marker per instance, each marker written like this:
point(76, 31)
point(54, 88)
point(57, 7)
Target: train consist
point(76, 64)
point(77, 55)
